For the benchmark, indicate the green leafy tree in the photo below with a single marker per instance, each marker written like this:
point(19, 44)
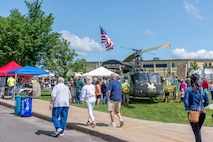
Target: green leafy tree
point(29, 40)
point(79, 66)
point(195, 65)
point(61, 59)
point(12, 30)
point(40, 37)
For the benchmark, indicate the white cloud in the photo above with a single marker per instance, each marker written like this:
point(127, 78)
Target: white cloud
point(181, 53)
point(150, 34)
point(81, 45)
point(192, 10)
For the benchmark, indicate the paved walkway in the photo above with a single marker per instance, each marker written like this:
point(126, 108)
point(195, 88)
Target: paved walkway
point(134, 130)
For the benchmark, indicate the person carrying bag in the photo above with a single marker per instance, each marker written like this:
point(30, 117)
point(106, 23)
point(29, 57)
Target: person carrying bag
point(193, 115)
point(195, 101)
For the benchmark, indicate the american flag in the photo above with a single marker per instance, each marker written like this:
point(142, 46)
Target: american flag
point(105, 39)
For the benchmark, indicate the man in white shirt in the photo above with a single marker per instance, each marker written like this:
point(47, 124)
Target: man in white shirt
point(59, 104)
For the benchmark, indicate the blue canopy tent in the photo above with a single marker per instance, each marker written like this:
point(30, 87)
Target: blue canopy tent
point(28, 70)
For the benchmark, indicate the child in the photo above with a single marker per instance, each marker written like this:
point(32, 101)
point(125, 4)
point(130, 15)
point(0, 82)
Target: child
point(182, 93)
point(183, 87)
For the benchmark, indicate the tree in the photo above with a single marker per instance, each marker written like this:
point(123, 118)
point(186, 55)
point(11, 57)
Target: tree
point(79, 66)
point(26, 38)
point(12, 30)
point(39, 33)
point(195, 65)
point(29, 40)
point(60, 58)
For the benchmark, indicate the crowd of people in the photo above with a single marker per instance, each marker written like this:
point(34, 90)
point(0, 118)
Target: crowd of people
point(180, 85)
point(77, 83)
point(90, 91)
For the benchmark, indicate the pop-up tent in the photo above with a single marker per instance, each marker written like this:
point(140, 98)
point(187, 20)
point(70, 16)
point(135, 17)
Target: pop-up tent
point(46, 75)
point(28, 70)
point(3, 74)
point(10, 66)
point(101, 71)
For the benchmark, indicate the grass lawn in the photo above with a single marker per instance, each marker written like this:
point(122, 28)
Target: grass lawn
point(146, 109)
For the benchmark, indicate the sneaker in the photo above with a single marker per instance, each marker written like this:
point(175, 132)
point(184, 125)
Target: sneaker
point(93, 124)
point(112, 125)
point(121, 123)
point(55, 134)
point(61, 134)
point(88, 123)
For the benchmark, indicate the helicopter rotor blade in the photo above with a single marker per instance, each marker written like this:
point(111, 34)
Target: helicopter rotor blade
point(138, 52)
point(157, 47)
point(129, 48)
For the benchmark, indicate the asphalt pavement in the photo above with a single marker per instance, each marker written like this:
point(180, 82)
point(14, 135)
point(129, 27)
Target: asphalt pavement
point(34, 129)
point(134, 130)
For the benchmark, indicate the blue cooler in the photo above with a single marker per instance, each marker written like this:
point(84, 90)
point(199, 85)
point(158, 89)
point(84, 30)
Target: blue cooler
point(18, 105)
point(26, 106)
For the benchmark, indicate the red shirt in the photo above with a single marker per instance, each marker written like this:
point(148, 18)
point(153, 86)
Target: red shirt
point(205, 84)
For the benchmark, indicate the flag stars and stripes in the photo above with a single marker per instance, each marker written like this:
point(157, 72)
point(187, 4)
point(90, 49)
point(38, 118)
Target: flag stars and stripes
point(105, 39)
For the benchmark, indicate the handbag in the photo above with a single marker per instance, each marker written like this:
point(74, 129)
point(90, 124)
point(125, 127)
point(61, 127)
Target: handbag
point(193, 116)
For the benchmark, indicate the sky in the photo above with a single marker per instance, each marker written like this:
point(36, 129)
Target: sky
point(137, 24)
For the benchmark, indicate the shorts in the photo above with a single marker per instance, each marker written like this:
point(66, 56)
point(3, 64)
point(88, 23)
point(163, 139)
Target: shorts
point(166, 94)
point(127, 96)
point(114, 106)
point(98, 97)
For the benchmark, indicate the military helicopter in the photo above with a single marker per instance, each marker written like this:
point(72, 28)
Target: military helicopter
point(143, 83)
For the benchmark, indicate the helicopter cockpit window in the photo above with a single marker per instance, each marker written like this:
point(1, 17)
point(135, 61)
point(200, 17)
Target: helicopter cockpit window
point(141, 78)
point(155, 78)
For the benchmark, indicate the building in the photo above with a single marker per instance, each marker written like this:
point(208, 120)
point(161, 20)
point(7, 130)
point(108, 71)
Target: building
point(175, 67)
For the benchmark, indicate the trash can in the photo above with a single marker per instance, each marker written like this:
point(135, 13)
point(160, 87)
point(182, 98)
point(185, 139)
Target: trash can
point(18, 105)
point(23, 106)
point(26, 106)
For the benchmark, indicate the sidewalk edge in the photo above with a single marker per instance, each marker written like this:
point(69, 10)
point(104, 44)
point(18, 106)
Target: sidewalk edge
point(75, 126)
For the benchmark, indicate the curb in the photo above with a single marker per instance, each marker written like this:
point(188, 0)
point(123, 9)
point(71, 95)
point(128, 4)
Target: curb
point(75, 126)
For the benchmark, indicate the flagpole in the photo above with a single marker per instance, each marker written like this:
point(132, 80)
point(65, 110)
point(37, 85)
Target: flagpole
point(99, 56)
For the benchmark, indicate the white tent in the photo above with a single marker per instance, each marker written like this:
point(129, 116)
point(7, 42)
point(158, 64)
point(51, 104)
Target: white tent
point(101, 71)
point(78, 74)
point(203, 72)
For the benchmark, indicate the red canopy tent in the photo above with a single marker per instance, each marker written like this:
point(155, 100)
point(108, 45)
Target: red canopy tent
point(10, 66)
point(3, 75)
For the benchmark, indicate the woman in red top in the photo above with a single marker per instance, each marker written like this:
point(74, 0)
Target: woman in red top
point(98, 92)
point(205, 86)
